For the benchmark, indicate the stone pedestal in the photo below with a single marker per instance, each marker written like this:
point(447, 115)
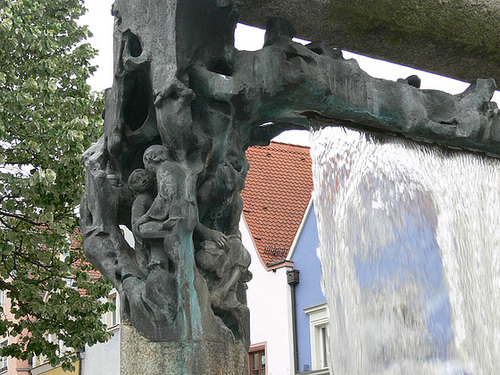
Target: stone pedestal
point(142, 356)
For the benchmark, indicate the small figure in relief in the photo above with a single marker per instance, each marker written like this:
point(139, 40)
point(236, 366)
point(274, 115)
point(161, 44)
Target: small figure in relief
point(221, 257)
point(143, 184)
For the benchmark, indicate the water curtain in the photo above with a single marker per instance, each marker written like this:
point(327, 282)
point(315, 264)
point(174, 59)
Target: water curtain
point(410, 250)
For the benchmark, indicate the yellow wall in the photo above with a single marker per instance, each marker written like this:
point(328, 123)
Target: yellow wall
point(59, 370)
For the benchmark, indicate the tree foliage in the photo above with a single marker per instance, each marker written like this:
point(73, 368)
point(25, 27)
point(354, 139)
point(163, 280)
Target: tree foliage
point(48, 117)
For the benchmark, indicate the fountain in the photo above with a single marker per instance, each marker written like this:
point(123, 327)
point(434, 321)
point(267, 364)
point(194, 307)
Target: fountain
point(409, 248)
point(184, 107)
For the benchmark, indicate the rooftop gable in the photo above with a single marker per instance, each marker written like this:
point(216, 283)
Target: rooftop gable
point(278, 190)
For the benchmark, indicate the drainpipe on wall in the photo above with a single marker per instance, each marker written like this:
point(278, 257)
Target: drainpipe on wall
point(80, 354)
point(292, 277)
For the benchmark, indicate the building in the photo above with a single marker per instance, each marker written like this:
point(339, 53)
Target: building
point(311, 313)
point(107, 353)
point(289, 317)
point(10, 366)
point(99, 359)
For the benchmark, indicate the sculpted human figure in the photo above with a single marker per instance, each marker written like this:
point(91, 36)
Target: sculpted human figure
point(143, 184)
point(156, 162)
point(220, 200)
point(166, 208)
point(221, 257)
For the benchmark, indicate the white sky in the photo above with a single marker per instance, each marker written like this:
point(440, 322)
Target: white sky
point(249, 38)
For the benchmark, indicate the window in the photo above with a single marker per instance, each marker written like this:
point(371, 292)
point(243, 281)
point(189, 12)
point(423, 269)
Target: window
point(318, 326)
point(41, 359)
point(322, 345)
point(4, 361)
point(112, 318)
point(257, 359)
point(2, 301)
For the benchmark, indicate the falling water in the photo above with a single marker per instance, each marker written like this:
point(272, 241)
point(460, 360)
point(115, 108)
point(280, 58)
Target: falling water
point(410, 250)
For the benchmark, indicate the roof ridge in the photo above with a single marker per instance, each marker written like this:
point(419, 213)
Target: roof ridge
point(288, 144)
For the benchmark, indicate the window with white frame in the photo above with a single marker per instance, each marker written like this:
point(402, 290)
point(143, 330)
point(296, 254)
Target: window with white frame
point(318, 327)
point(41, 359)
point(112, 318)
point(2, 301)
point(4, 361)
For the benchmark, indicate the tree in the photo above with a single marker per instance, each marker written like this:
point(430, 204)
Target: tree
point(48, 117)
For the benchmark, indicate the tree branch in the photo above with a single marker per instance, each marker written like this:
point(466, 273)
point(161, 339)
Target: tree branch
point(23, 218)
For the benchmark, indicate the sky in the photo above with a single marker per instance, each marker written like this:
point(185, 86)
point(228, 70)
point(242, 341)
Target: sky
point(249, 38)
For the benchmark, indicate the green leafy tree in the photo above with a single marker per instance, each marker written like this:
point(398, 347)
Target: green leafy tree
point(48, 117)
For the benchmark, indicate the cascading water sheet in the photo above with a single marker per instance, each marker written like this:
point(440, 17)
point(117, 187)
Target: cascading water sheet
point(410, 250)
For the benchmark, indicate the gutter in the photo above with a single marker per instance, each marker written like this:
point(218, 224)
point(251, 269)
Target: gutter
point(279, 264)
point(293, 279)
point(80, 360)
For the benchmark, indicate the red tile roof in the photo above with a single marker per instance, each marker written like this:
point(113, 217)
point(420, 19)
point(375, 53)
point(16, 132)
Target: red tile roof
point(278, 190)
point(76, 245)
